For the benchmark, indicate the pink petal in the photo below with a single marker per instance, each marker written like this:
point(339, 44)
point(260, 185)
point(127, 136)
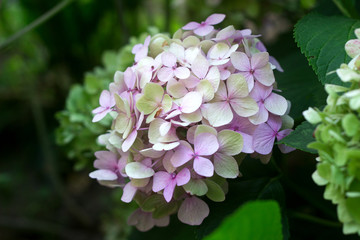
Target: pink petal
point(141, 53)
point(274, 122)
point(283, 148)
point(215, 18)
point(276, 104)
point(205, 144)
point(128, 193)
point(129, 78)
point(249, 79)
point(105, 99)
point(203, 167)
point(103, 174)
point(168, 59)
point(224, 74)
point(161, 180)
point(105, 160)
point(129, 141)
point(98, 110)
point(143, 221)
point(165, 74)
point(260, 92)
point(147, 41)
point(203, 30)
point(191, 102)
point(182, 72)
point(100, 115)
point(191, 26)
point(261, 116)
point(169, 190)
point(259, 60)
point(183, 153)
point(240, 61)
point(264, 138)
point(248, 143)
point(193, 211)
point(162, 222)
point(274, 62)
point(183, 177)
point(136, 48)
point(265, 75)
point(200, 66)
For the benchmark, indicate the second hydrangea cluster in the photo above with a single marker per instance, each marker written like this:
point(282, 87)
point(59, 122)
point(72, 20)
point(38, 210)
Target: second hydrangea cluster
point(337, 141)
point(186, 107)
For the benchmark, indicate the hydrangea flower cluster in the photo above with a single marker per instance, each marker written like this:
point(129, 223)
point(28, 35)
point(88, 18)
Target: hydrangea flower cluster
point(337, 141)
point(186, 107)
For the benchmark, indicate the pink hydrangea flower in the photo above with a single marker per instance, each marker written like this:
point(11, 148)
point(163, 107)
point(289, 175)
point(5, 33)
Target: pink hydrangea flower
point(182, 115)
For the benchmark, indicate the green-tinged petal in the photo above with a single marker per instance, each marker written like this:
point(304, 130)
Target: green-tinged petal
point(230, 142)
point(226, 166)
point(152, 202)
point(176, 89)
point(138, 170)
point(128, 128)
point(140, 182)
point(154, 133)
point(244, 107)
point(191, 117)
point(121, 122)
point(218, 113)
point(206, 89)
point(196, 187)
point(205, 129)
point(215, 192)
point(151, 99)
point(166, 103)
point(319, 180)
point(237, 86)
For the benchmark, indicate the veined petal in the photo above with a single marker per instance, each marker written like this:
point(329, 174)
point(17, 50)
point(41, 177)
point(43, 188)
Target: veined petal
point(226, 166)
point(260, 92)
point(193, 211)
point(205, 144)
point(200, 66)
point(183, 154)
point(230, 142)
point(259, 60)
point(203, 30)
point(105, 99)
point(203, 167)
point(169, 190)
point(264, 138)
point(240, 61)
point(128, 193)
point(265, 75)
point(276, 104)
point(161, 180)
point(223, 112)
point(237, 86)
point(244, 107)
point(176, 89)
point(183, 177)
point(191, 102)
point(261, 116)
point(213, 77)
point(138, 170)
point(215, 18)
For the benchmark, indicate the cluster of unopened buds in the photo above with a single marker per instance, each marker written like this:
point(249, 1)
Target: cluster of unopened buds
point(186, 107)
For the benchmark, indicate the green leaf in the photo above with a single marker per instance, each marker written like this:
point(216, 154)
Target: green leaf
point(254, 220)
point(322, 39)
point(352, 205)
point(301, 137)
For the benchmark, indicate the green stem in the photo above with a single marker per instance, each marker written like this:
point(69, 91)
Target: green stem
point(35, 23)
point(347, 8)
point(313, 219)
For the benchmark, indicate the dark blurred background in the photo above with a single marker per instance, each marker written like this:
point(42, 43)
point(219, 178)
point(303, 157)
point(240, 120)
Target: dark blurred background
point(46, 195)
